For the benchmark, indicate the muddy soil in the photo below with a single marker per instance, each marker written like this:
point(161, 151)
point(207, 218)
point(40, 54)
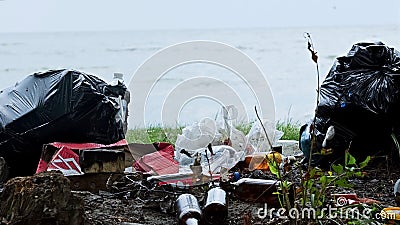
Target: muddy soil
point(133, 200)
point(129, 207)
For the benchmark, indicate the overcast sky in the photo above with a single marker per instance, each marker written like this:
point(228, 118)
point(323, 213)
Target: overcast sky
point(77, 15)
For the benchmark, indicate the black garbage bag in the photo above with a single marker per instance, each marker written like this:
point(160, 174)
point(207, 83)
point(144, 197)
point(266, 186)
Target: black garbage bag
point(360, 97)
point(57, 105)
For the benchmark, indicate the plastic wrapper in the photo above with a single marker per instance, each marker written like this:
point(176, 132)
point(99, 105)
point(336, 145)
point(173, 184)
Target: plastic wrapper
point(57, 105)
point(224, 157)
point(360, 97)
point(197, 136)
point(256, 139)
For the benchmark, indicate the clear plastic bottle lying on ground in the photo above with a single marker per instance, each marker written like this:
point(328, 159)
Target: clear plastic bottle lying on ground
point(188, 210)
point(215, 210)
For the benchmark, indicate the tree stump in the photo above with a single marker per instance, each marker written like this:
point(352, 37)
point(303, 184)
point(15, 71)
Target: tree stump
point(42, 199)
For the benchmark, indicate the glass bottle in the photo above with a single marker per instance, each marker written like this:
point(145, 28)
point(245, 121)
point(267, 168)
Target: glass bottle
point(215, 210)
point(256, 190)
point(188, 210)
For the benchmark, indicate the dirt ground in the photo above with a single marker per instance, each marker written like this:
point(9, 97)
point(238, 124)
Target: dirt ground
point(157, 208)
point(133, 200)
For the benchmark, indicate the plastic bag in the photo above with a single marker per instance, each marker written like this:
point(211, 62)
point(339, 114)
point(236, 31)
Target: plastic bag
point(360, 97)
point(216, 132)
point(197, 136)
point(57, 105)
point(256, 139)
point(224, 157)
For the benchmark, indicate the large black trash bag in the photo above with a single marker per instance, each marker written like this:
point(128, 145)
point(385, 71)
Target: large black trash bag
point(360, 97)
point(57, 105)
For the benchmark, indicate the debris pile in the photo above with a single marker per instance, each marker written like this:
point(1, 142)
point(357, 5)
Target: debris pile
point(360, 98)
point(57, 105)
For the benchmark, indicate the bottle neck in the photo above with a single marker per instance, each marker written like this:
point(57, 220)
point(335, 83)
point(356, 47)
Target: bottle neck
point(192, 221)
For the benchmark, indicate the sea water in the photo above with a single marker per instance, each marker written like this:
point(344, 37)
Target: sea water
point(280, 53)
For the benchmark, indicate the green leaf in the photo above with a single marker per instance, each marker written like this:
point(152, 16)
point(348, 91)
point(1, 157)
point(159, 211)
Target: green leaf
point(287, 184)
point(312, 172)
point(319, 173)
point(337, 168)
point(365, 162)
point(310, 183)
point(350, 160)
point(358, 174)
point(274, 168)
point(343, 183)
point(323, 180)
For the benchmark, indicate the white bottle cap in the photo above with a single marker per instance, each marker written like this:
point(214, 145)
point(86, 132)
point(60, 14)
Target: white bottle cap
point(118, 76)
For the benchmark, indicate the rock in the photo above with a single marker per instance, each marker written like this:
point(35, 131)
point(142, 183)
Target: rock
point(42, 199)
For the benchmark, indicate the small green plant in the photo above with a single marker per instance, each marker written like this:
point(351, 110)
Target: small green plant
point(285, 185)
point(316, 182)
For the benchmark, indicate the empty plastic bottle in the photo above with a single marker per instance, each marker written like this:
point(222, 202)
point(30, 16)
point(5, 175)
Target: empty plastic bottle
point(188, 210)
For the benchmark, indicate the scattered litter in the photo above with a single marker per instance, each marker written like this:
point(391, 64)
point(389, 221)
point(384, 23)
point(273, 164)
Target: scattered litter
point(160, 162)
point(391, 214)
point(89, 166)
point(188, 210)
point(68, 157)
point(256, 139)
point(219, 146)
point(215, 210)
point(350, 199)
point(257, 190)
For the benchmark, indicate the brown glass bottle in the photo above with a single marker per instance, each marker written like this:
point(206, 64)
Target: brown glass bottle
point(257, 190)
point(188, 210)
point(215, 210)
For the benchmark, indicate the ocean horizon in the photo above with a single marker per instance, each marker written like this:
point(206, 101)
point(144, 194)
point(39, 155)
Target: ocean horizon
point(280, 53)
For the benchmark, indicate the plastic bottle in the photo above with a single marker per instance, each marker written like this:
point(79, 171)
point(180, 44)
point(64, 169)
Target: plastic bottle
point(259, 161)
point(123, 100)
point(215, 210)
point(188, 210)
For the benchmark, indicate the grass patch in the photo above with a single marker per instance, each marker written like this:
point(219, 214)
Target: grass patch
point(245, 127)
point(290, 129)
point(153, 134)
point(159, 134)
